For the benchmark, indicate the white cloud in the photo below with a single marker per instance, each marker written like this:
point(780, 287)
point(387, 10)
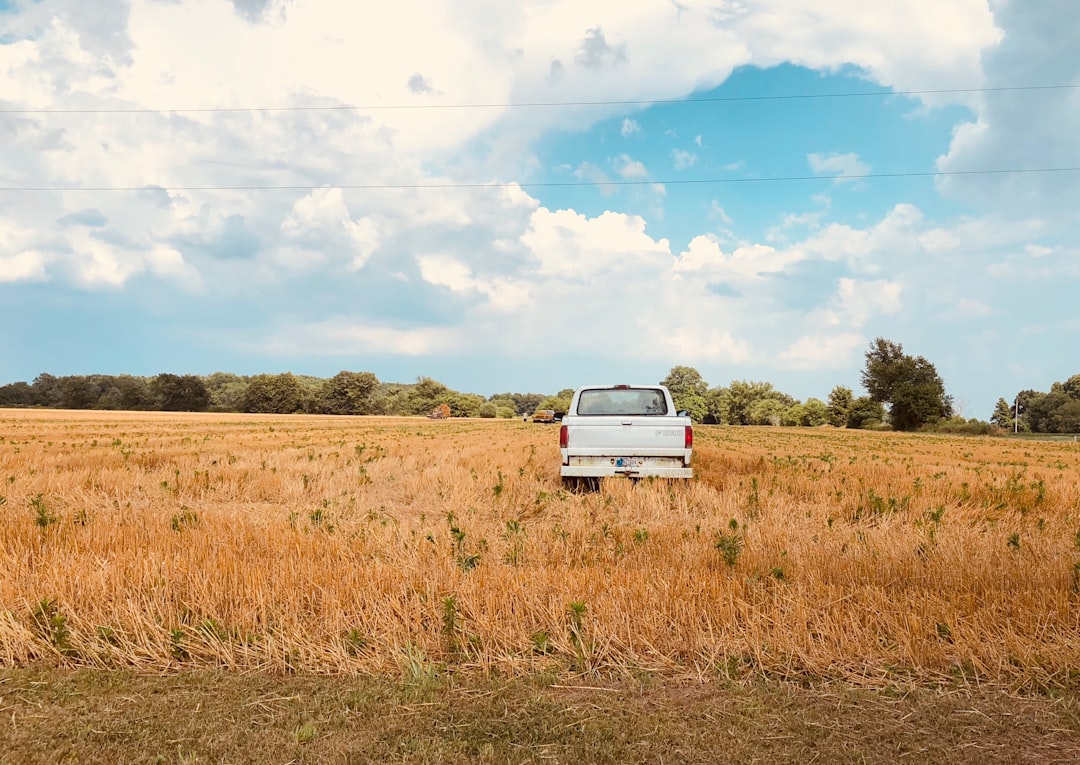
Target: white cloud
point(25, 266)
point(569, 245)
point(1023, 130)
point(587, 171)
point(629, 127)
point(792, 221)
point(966, 308)
point(19, 260)
point(322, 220)
point(343, 337)
point(447, 272)
point(682, 159)
point(1034, 264)
point(502, 294)
point(169, 264)
point(856, 302)
point(824, 351)
point(630, 169)
point(698, 344)
point(748, 263)
point(98, 265)
point(716, 211)
point(844, 166)
point(896, 235)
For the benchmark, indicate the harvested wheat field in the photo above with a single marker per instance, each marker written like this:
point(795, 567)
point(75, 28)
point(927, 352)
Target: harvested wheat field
point(409, 548)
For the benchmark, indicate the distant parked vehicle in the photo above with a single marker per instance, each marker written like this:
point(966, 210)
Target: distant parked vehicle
point(544, 415)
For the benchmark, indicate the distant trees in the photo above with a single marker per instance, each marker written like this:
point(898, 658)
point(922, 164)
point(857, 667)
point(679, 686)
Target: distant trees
point(840, 400)
point(560, 402)
point(1003, 416)
point(16, 394)
point(226, 391)
point(1056, 411)
point(746, 402)
point(815, 413)
point(425, 395)
point(273, 394)
point(1053, 412)
point(180, 393)
point(506, 405)
point(81, 392)
point(346, 393)
point(909, 384)
point(865, 413)
point(741, 402)
point(520, 403)
point(688, 390)
point(47, 391)
point(350, 393)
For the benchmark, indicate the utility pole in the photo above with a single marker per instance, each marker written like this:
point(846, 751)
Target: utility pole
point(1016, 414)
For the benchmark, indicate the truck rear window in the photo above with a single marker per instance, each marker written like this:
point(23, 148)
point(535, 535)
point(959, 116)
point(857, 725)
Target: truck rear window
point(625, 402)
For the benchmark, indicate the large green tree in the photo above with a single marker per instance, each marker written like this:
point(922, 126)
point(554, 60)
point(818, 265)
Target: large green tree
point(816, 413)
point(910, 385)
point(1003, 416)
point(350, 393)
point(688, 390)
point(840, 400)
point(273, 394)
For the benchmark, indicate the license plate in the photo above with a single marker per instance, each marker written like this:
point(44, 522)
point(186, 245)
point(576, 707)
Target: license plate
point(628, 462)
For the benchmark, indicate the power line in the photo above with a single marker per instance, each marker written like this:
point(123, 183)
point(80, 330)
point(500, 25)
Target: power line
point(545, 184)
point(547, 104)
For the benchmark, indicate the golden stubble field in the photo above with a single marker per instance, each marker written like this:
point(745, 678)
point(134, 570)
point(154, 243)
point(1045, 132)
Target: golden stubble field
point(409, 547)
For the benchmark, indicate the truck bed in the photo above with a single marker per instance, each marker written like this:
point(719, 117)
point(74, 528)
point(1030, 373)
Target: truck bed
point(637, 434)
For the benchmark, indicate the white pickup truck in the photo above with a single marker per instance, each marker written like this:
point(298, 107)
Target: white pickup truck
point(629, 430)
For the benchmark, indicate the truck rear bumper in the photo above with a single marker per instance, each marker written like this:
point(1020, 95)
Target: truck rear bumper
point(600, 471)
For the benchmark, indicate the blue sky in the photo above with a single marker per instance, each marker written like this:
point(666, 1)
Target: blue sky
point(549, 277)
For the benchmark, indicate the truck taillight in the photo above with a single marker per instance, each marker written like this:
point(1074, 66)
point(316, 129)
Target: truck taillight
point(689, 437)
point(564, 437)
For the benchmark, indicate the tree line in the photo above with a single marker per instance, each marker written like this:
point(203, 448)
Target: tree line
point(344, 393)
point(903, 392)
point(1032, 411)
point(909, 385)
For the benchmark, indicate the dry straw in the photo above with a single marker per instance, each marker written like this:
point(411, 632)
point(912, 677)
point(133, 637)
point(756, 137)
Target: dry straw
point(413, 548)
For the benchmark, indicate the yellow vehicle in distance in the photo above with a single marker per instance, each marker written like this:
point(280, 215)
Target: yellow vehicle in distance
point(544, 415)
